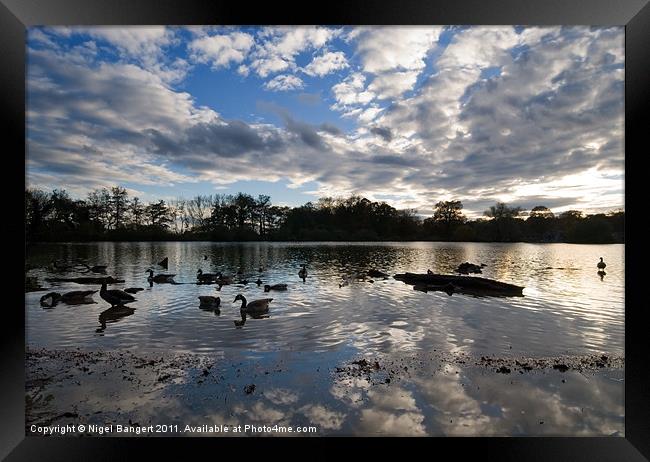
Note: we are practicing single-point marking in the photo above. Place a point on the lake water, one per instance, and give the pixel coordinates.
(567, 309)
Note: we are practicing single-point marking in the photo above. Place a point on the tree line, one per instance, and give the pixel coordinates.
(110, 214)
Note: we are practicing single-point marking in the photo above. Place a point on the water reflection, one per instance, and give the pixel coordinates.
(113, 314)
(564, 307)
(432, 398)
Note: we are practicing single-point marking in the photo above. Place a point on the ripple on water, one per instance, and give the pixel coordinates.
(566, 306)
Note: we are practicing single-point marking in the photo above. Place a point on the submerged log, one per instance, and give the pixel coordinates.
(462, 284)
(87, 280)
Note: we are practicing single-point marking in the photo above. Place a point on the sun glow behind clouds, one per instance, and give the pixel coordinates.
(530, 116)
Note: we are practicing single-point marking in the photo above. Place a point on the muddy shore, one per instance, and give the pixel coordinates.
(112, 387)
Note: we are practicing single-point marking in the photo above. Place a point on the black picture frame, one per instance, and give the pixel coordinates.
(16, 15)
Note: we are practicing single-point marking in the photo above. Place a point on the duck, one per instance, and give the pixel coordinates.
(160, 278)
(133, 290)
(303, 272)
(601, 264)
(207, 277)
(209, 302)
(78, 297)
(268, 288)
(254, 307)
(51, 299)
(115, 297)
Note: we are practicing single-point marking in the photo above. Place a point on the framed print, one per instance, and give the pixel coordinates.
(398, 221)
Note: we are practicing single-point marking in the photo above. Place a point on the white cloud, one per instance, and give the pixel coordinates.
(140, 41)
(395, 48)
(352, 91)
(552, 118)
(479, 47)
(326, 63)
(221, 50)
(284, 83)
(394, 84)
(279, 46)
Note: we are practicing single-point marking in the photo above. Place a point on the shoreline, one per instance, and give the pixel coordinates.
(67, 386)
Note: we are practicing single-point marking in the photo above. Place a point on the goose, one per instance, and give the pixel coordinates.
(268, 288)
(224, 280)
(160, 278)
(429, 272)
(254, 307)
(601, 264)
(51, 299)
(133, 290)
(207, 277)
(115, 297)
(78, 297)
(209, 302)
(303, 272)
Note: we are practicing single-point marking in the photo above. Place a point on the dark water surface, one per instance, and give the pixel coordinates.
(567, 309)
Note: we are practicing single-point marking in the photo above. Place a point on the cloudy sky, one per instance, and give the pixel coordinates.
(409, 115)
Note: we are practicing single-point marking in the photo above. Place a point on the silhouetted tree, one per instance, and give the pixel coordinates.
(108, 214)
(447, 214)
(503, 220)
(119, 204)
(157, 215)
(137, 212)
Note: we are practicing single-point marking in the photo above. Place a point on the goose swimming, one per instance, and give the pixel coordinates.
(209, 302)
(160, 278)
(133, 290)
(268, 288)
(115, 297)
(50, 300)
(254, 307)
(78, 297)
(207, 277)
(303, 272)
(601, 264)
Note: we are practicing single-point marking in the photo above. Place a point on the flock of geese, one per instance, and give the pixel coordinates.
(118, 299)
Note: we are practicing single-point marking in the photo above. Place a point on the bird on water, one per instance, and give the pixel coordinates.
(115, 297)
(601, 264)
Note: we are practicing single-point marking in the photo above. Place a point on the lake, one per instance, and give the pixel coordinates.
(317, 325)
